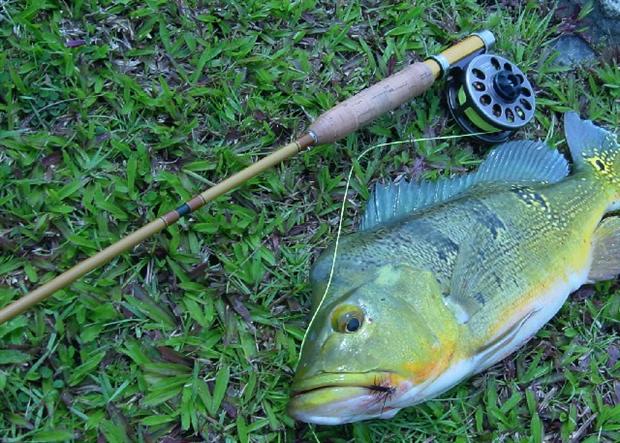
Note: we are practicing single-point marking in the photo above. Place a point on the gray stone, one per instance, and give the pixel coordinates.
(611, 8)
(602, 23)
(573, 51)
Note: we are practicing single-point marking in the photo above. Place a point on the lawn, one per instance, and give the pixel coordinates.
(114, 112)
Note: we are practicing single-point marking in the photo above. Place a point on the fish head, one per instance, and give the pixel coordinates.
(371, 349)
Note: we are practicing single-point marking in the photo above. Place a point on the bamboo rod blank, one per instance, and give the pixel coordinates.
(104, 256)
(66, 278)
(330, 126)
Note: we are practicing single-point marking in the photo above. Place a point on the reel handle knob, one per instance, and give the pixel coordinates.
(507, 85)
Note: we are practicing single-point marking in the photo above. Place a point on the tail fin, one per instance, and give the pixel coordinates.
(593, 148)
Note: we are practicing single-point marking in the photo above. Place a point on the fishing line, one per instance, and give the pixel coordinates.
(343, 207)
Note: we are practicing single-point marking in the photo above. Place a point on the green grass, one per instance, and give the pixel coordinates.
(111, 113)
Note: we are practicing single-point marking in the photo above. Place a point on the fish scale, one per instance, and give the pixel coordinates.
(446, 278)
(524, 241)
(542, 248)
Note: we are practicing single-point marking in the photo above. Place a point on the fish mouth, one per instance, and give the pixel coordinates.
(336, 398)
(374, 380)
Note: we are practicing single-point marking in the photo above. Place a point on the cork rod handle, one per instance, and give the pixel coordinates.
(391, 92)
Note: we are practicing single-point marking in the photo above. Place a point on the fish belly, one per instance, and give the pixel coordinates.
(521, 326)
(530, 318)
(518, 278)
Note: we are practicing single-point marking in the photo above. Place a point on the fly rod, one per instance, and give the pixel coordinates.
(338, 122)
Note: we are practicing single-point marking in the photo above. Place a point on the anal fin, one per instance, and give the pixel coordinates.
(606, 250)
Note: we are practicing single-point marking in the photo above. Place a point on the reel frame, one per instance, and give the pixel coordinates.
(487, 93)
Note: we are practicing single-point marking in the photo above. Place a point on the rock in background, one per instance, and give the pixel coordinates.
(601, 30)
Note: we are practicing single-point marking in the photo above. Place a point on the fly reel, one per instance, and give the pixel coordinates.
(490, 95)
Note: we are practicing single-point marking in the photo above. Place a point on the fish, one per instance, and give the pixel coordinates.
(444, 279)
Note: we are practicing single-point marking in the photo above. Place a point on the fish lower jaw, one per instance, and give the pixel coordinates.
(334, 405)
(321, 418)
(332, 399)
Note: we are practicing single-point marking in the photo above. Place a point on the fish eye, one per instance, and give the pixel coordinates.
(347, 319)
(353, 324)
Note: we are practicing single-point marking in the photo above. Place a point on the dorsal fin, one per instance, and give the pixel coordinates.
(516, 161)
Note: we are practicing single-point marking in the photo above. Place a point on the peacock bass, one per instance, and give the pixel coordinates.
(446, 278)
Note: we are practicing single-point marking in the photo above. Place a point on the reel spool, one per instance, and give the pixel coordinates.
(491, 95)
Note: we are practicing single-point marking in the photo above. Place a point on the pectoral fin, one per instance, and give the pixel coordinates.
(606, 250)
(503, 345)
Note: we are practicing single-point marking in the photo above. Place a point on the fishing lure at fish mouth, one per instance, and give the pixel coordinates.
(445, 279)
